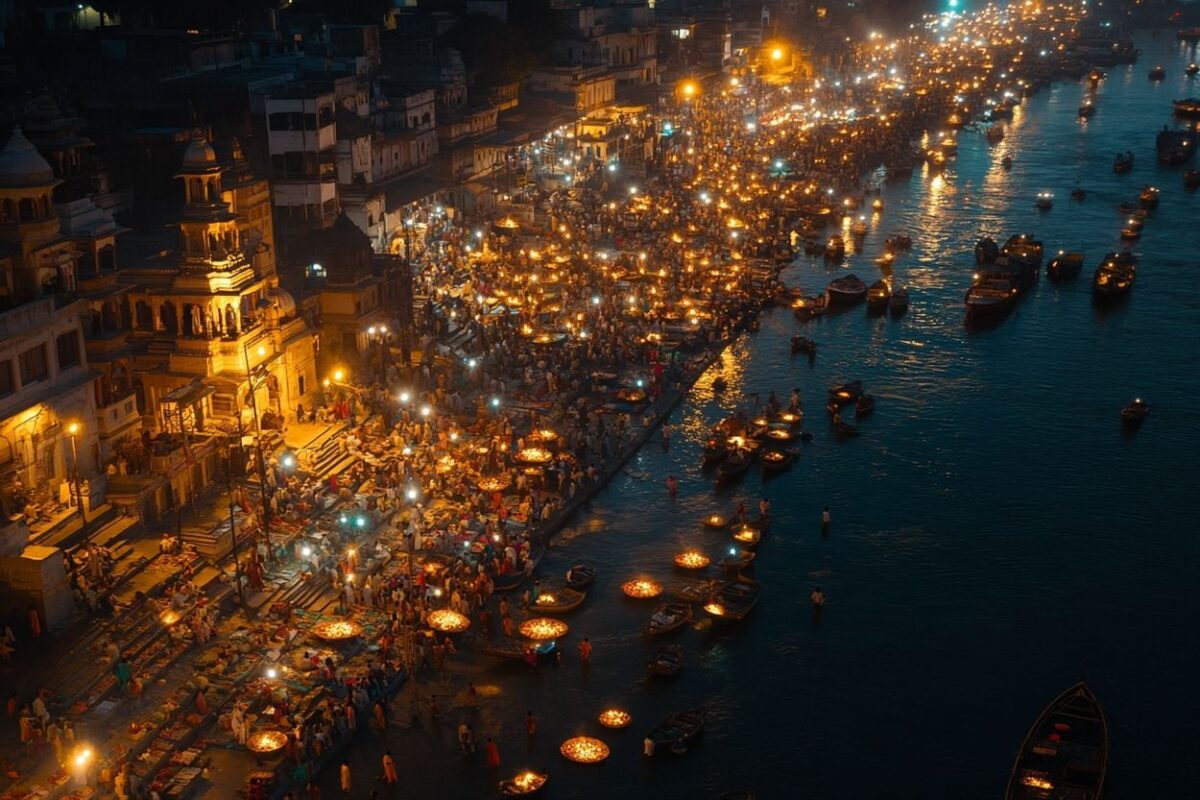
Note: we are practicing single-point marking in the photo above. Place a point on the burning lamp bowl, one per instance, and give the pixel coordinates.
(543, 435)
(642, 588)
(747, 534)
(337, 630)
(267, 741)
(525, 783)
(715, 608)
(715, 521)
(691, 559)
(494, 484)
(542, 629)
(614, 718)
(779, 434)
(448, 620)
(584, 750)
(535, 455)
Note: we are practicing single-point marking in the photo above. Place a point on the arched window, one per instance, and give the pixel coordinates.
(9, 211)
(27, 210)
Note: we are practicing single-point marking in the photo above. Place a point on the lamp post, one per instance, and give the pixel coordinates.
(73, 431)
(262, 464)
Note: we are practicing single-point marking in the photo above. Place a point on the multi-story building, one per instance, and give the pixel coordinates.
(302, 142)
(218, 345)
(48, 433)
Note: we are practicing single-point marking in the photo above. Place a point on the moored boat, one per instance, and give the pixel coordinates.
(1189, 107)
(993, 293)
(1157, 73)
(835, 248)
(776, 460)
(1191, 178)
(1115, 276)
(669, 617)
(1175, 147)
(995, 134)
(676, 731)
(845, 291)
(1025, 252)
(580, 576)
(1123, 163)
(1135, 412)
(734, 601)
(1148, 197)
(1065, 754)
(864, 405)
(1044, 201)
(845, 394)
(1192, 70)
(734, 466)
(898, 303)
(802, 344)
(736, 559)
(878, 296)
(699, 591)
(1064, 266)
(667, 661)
(558, 600)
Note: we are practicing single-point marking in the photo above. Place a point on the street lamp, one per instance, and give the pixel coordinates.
(73, 432)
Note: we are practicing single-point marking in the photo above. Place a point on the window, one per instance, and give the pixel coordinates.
(33, 365)
(300, 384)
(6, 378)
(68, 349)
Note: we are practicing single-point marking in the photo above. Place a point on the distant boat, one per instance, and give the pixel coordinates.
(1114, 277)
(676, 731)
(1188, 34)
(847, 393)
(1191, 178)
(1086, 109)
(1025, 251)
(1135, 412)
(1064, 266)
(1123, 163)
(993, 293)
(995, 134)
(1044, 201)
(1096, 75)
(668, 661)
(1065, 754)
(986, 250)
(1158, 73)
(835, 248)
(1175, 147)
(846, 291)
(1149, 198)
(878, 296)
(898, 304)
(1192, 70)
(1188, 107)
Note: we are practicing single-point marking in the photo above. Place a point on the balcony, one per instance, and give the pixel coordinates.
(118, 415)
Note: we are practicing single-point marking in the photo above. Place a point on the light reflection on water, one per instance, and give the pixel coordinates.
(995, 533)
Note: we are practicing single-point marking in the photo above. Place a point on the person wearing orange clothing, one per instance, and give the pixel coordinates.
(585, 651)
(390, 776)
(491, 753)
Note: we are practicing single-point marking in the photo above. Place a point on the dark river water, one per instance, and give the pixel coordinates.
(996, 535)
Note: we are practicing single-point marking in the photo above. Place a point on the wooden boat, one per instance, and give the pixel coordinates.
(1175, 147)
(513, 650)
(1157, 74)
(1192, 70)
(1044, 201)
(580, 576)
(747, 534)
(699, 591)
(1065, 754)
(1114, 277)
(1123, 163)
(1135, 412)
(845, 291)
(843, 428)
(677, 730)
(1148, 198)
(669, 617)
(526, 784)
(734, 601)
(562, 600)
(1096, 75)
(898, 302)
(864, 405)
(734, 466)
(835, 248)
(1188, 107)
(897, 242)
(1064, 266)
(715, 450)
(776, 460)
(668, 661)
(802, 344)
(995, 134)
(1191, 178)
(878, 296)
(993, 293)
(737, 559)
(1086, 109)
(845, 394)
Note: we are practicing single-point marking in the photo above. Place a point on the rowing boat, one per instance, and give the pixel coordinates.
(669, 617)
(1065, 754)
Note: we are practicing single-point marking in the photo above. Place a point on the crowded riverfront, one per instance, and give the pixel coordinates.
(424, 594)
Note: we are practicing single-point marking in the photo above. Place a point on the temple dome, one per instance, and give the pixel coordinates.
(21, 164)
(199, 154)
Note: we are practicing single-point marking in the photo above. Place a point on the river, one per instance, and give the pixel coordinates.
(996, 534)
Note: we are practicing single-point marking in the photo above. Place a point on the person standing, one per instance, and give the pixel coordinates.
(825, 518)
(344, 779)
(491, 753)
(585, 651)
(390, 776)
